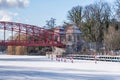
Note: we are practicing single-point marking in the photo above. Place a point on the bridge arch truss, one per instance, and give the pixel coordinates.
(33, 35)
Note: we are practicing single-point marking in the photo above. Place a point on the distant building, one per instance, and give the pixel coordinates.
(70, 35)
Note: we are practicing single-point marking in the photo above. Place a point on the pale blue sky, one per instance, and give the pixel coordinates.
(38, 11)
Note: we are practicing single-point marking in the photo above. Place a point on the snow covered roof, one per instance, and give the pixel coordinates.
(62, 32)
(61, 28)
(76, 30)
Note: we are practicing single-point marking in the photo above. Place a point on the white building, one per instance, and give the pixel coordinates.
(71, 37)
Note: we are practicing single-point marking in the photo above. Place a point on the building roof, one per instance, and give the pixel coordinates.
(76, 30)
(74, 27)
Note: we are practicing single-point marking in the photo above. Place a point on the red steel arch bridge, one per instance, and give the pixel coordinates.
(33, 35)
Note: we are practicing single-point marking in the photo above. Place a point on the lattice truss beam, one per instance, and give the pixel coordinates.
(28, 35)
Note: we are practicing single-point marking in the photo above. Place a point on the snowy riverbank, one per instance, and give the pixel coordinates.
(42, 68)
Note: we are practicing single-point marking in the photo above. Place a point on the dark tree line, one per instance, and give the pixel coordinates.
(94, 21)
(118, 8)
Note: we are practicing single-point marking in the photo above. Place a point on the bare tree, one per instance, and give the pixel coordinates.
(75, 15)
(51, 23)
(118, 8)
(112, 38)
(96, 20)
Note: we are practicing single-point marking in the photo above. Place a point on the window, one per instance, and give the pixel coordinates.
(69, 38)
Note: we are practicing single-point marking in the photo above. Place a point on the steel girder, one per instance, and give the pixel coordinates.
(33, 35)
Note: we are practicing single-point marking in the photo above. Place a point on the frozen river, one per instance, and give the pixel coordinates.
(42, 68)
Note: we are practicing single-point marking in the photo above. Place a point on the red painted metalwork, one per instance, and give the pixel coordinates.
(34, 35)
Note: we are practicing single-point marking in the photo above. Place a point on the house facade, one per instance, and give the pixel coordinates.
(70, 35)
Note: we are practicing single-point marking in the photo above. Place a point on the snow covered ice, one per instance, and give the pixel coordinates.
(42, 68)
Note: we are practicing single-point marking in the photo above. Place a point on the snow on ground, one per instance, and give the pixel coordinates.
(42, 68)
